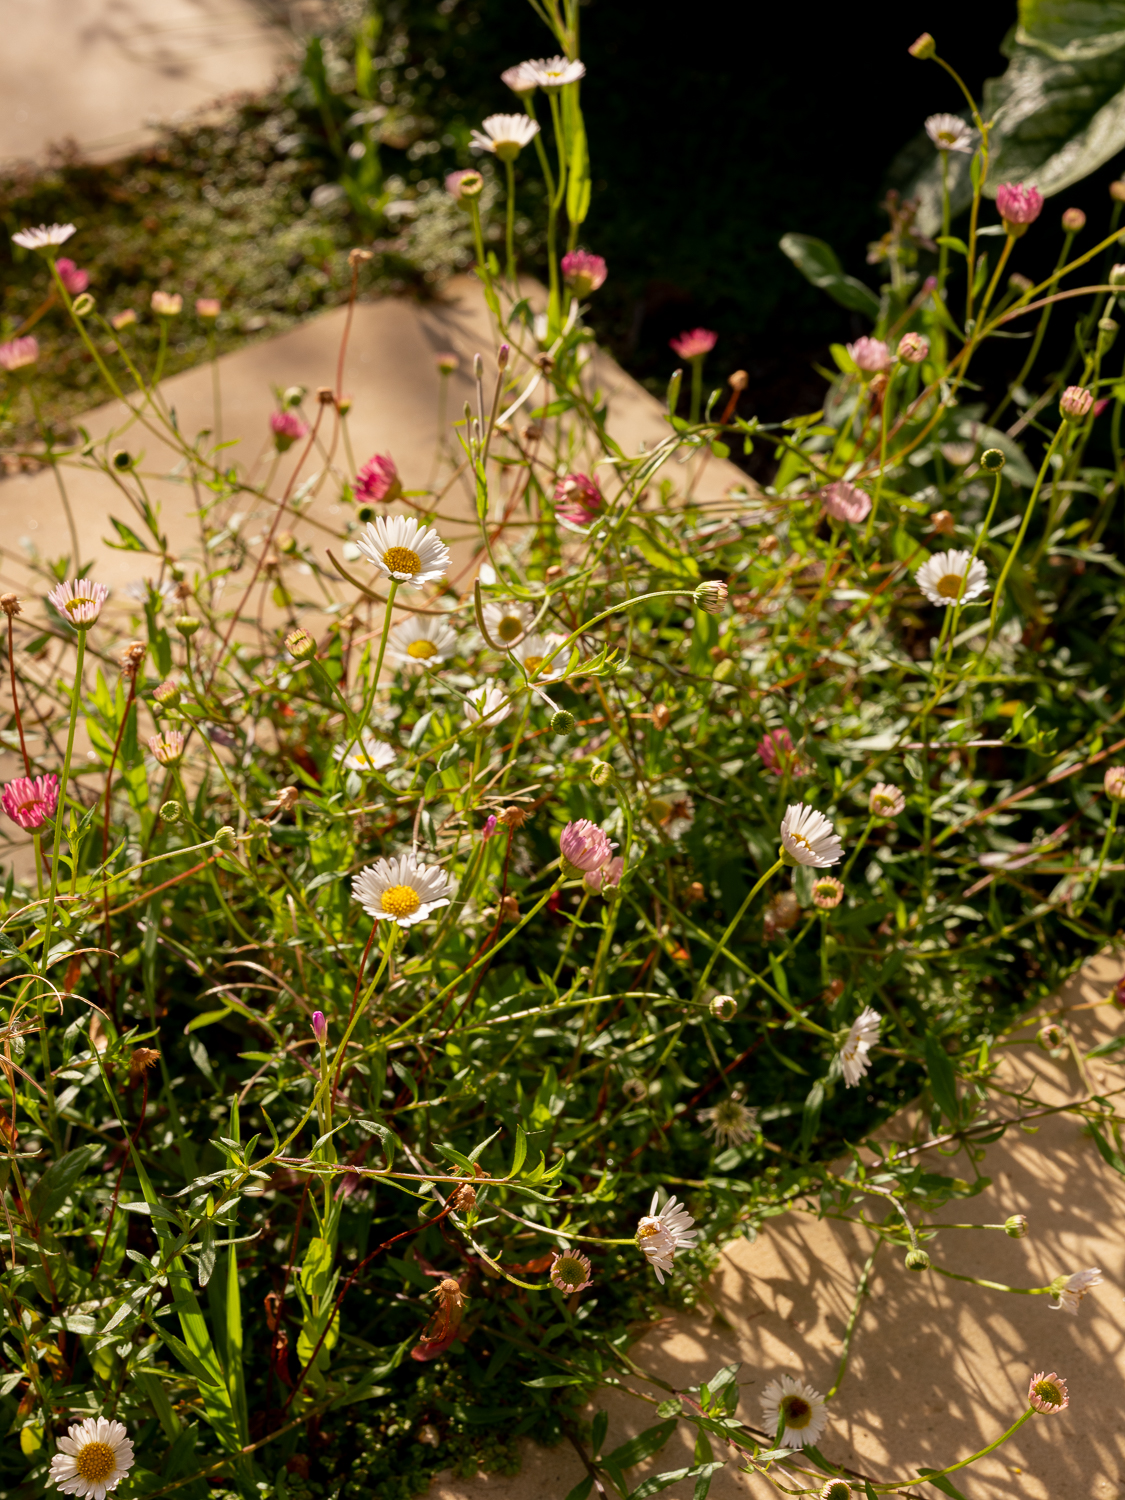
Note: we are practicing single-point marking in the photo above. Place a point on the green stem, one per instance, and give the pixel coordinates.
(510, 231)
(733, 925)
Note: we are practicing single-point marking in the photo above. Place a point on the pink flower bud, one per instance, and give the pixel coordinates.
(1019, 206)
(1073, 220)
(72, 277)
(17, 353)
(464, 185)
(447, 363)
(287, 429)
(583, 273)
(913, 348)
(870, 355)
(1100, 405)
(320, 1027)
(775, 751)
(31, 801)
(489, 827)
(584, 847)
(578, 499)
(378, 480)
(1075, 403)
(846, 503)
(924, 47)
(208, 307)
(695, 343)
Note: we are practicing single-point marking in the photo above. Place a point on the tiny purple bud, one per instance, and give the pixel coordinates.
(489, 827)
(320, 1027)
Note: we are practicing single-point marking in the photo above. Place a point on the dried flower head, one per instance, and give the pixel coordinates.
(942, 523)
(570, 1272)
(10, 604)
(731, 1122)
(794, 1412)
(782, 914)
(285, 799)
(1047, 1393)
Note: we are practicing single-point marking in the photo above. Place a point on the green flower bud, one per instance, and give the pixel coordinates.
(122, 460)
(187, 625)
(993, 460)
(226, 838)
(562, 721)
(1015, 1226)
(171, 812)
(82, 306)
(723, 1007)
(300, 645)
(711, 595)
(601, 773)
(917, 1260)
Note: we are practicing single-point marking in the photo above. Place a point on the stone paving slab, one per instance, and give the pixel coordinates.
(100, 71)
(938, 1369)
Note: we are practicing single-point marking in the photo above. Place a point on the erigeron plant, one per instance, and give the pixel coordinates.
(465, 909)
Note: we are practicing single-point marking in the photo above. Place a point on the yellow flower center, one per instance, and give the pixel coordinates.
(1049, 1391)
(647, 1228)
(72, 606)
(796, 1411)
(509, 628)
(401, 901)
(401, 560)
(881, 803)
(533, 663)
(947, 135)
(96, 1462)
(421, 650)
(949, 587)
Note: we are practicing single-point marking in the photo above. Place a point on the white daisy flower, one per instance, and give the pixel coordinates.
(403, 550)
(504, 135)
(952, 578)
(809, 838)
(40, 239)
(885, 800)
(796, 1409)
(94, 1458)
(533, 651)
(507, 622)
(731, 1122)
(553, 72)
(950, 133)
(660, 1235)
(401, 890)
(422, 640)
(861, 1037)
(521, 78)
(485, 707)
(369, 755)
(1071, 1289)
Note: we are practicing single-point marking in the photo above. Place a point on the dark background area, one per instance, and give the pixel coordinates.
(713, 132)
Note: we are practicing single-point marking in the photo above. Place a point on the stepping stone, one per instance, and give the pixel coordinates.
(99, 72)
(938, 1368)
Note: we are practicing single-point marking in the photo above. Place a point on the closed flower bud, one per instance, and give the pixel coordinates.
(300, 644)
(723, 1007)
(711, 596)
(1117, 191)
(171, 812)
(1050, 1036)
(1117, 275)
(913, 348)
(924, 47)
(993, 460)
(286, 543)
(1019, 282)
(293, 395)
(562, 721)
(917, 1260)
(1114, 783)
(167, 694)
(226, 838)
(1107, 332)
(1075, 403)
(320, 1027)
(1015, 1226)
(122, 460)
(1073, 220)
(83, 306)
(187, 625)
(601, 773)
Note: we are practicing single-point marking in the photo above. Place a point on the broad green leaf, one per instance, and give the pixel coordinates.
(818, 263)
(643, 1446)
(316, 1268)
